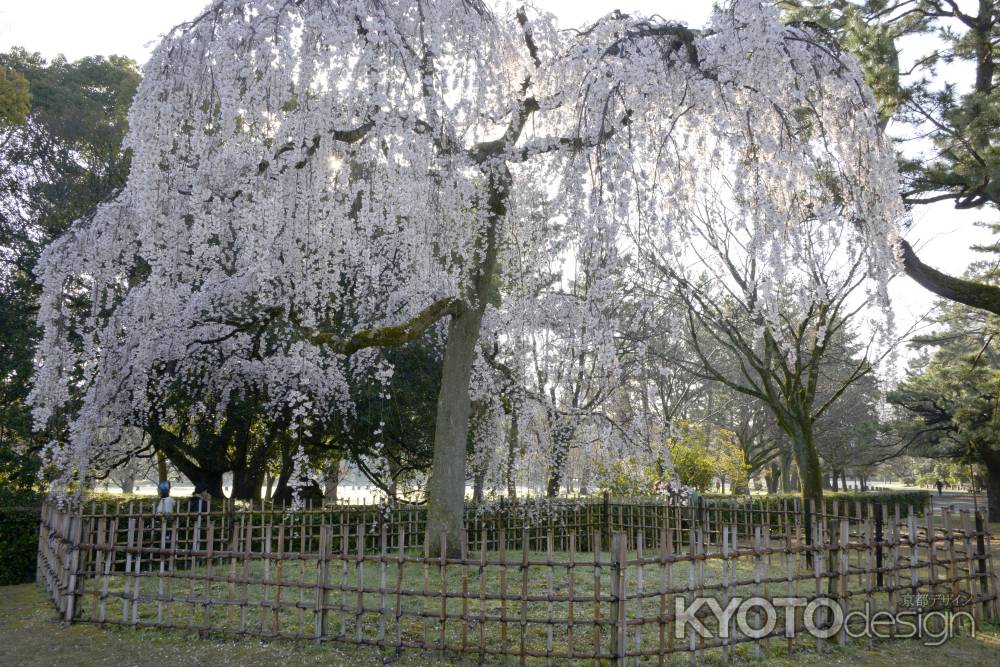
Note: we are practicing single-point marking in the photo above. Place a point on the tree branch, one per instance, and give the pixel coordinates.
(396, 334)
(977, 295)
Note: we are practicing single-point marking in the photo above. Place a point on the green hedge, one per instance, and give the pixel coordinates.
(919, 500)
(19, 511)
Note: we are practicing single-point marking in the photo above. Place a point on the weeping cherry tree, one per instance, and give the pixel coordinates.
(296, 160)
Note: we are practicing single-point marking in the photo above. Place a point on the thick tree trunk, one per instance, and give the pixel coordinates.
(786, 471)
(810, 472)
(446, 486)
(161, 467)
(247, 484)
(211, 480)
(810, 475)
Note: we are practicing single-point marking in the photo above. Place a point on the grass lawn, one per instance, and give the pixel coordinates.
(31, 635)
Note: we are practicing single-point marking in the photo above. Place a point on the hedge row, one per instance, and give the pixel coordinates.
(19, 512)
(919, 500)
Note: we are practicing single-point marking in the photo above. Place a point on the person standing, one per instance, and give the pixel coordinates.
(940, 485)
(166, 504)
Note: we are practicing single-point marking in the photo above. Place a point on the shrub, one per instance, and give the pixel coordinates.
(19, 512)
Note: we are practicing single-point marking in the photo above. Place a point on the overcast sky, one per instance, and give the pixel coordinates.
(77, 28)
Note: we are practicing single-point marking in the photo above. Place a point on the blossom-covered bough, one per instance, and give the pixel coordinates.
(314, 180)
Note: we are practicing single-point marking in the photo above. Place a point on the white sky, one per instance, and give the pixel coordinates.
(77, 28)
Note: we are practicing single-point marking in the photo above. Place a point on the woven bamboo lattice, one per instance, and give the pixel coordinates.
(570, 580)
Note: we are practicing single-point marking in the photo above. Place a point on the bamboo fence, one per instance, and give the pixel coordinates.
(564, 581)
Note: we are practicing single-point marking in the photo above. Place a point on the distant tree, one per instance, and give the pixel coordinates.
(949, 403)
(15, 100)
(61, 130)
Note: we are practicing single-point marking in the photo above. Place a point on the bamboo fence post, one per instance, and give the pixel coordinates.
(570, 578)
(932, 567)
(209, 570)
(483, 547)
(109, 560)
(400, 565)
(523, 623)
(322, 576)
(952, 563)
(982, 546)
(597, 592)
(359, 572)
(73, 563)
(618, 633)
(766, 564)
(550, 581)
(689, 589)
(383, 565)
(464, 556)
(344, 556)
(137, 568)
(279, 571)
(305, 535)
(757, 566)
(503, 587)
(246, 526)
(639, 544)
(159, 588)
(914, 555)
(129, 554)
(844, 557)
(791, 583)
(725, 591)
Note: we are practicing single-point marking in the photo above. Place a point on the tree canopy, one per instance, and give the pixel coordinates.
(292, 161)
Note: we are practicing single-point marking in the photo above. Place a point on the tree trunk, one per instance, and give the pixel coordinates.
(810, 472)
(993, 490)
(773, 479)
(392, 487)
(211, 480)
(585, 478)
(834, 479)
(512, 446)
(331, 480)
(478, 486)
(561, 437)
(161, 466)
(127, 484)
(446, 486)
(787, 484)
(247, 483)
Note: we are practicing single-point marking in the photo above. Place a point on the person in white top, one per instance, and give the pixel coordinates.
(166, 504)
